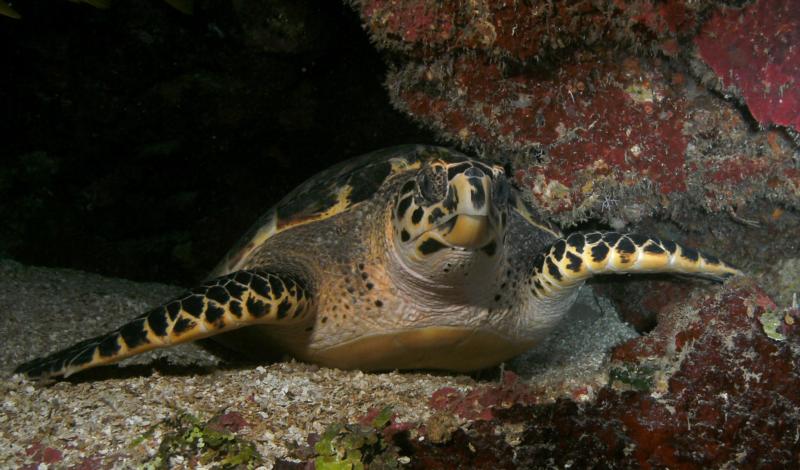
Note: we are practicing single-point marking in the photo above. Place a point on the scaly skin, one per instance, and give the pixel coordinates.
(571, 261)
(223, 304)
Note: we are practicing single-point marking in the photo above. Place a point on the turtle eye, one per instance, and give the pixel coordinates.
(432, 183)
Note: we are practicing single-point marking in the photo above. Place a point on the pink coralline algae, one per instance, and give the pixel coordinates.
(723, 391)
(40, 454)
(230, 422)
(595, 101)
(756, 49)
(479, 403)
(526, 30)
(595, 116)
(706, 389)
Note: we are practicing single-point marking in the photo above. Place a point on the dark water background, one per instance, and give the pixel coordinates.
(140, 142)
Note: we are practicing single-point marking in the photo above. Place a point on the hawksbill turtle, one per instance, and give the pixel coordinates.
(414, 257)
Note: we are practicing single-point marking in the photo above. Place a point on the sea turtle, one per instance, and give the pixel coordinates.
(414, 257)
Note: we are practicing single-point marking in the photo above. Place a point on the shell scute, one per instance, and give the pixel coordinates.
(328, 193)
(343, 186)
(334, 190)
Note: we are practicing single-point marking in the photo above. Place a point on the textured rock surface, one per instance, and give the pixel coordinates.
(571, 93)
(706, 389)
(755, 53)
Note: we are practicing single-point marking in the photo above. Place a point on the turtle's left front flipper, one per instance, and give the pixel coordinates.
(569, 262)
(229, 302)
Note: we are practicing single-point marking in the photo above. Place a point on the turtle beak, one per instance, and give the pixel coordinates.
(475, 222)
(467, 231)
(465, 211)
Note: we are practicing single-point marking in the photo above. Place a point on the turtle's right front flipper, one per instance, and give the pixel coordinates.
(229, 302)
(563, 267)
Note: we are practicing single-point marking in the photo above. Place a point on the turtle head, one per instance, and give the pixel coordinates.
(452, 206)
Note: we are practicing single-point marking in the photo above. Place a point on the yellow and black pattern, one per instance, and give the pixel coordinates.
(452, 204)
(568, 262)
(229, 302)
(334, 191)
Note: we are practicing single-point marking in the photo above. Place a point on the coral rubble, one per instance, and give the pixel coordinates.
(721, 393)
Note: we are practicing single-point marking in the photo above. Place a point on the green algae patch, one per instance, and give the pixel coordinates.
(194, 442)
(772, 322)
(639, 378)
(354, 446)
